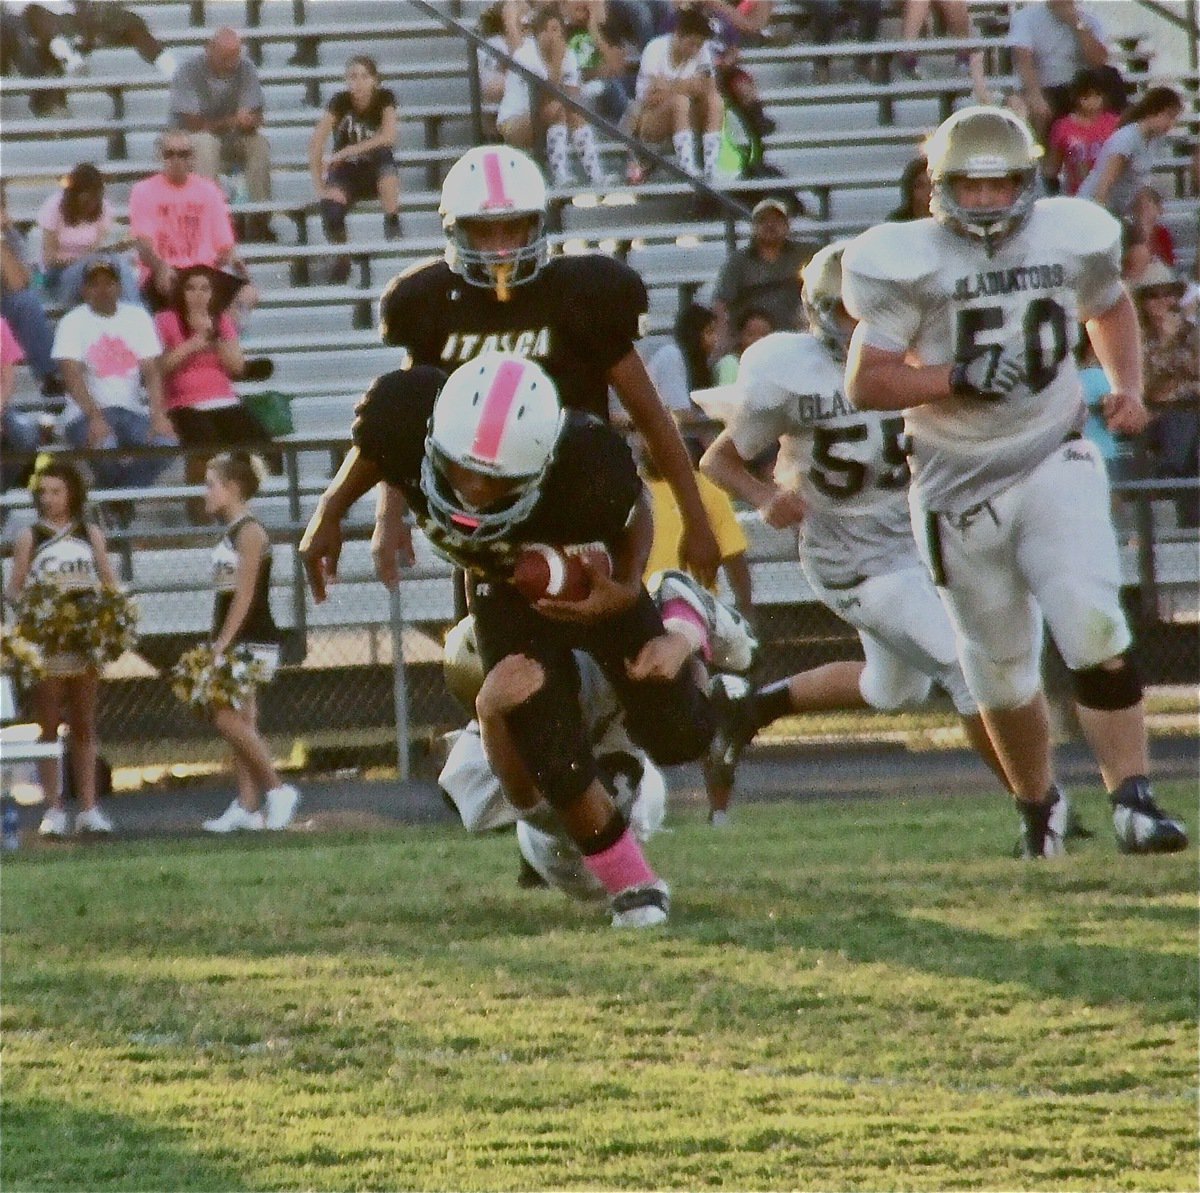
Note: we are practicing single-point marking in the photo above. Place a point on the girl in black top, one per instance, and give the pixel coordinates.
(70, 552)
(241, 564)
(363, 123)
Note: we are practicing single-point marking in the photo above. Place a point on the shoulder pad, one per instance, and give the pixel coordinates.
(409, 287)
(898, 252)
(1090, 229)
(595, 269)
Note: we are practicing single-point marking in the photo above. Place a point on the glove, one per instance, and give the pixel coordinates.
(992, 372)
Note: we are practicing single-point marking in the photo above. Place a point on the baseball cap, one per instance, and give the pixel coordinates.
(770, 204)
(100, 264)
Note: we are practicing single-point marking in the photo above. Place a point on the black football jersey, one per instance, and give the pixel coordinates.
(587, 494)
(577, 318)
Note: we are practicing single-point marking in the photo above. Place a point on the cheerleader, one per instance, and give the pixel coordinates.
(241, 565)
(68, 551)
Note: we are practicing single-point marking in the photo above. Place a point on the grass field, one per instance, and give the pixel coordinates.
(850, 995)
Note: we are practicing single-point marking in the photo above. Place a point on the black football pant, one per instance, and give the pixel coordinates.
(672, 721)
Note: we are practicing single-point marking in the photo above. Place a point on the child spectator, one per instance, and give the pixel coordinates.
(21, 306)
(241, 565)
(76, 222)
(201, 356)
(915, 192)
(677, 97)
(108, 350)
(69, 551)
(1076, 138)
(683, 363)
(750, 327)
(1146, 213)
(363, 123)
(548, 56)
(1127, 157)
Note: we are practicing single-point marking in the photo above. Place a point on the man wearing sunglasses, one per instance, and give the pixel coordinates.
(178, 219)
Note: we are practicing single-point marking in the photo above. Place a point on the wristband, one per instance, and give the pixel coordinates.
(960, 387)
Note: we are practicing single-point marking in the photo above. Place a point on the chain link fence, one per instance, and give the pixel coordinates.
(340, 700)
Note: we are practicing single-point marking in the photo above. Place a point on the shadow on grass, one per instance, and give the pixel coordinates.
(50, 1145)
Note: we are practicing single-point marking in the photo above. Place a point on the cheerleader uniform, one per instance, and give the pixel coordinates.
(258, 632)
(65, 558)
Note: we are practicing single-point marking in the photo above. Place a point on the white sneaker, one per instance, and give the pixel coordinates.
(719, 818)
(54, 823)
(92, 820)
(731, 642)
(235, 819)
(281, 806)
(642, 906)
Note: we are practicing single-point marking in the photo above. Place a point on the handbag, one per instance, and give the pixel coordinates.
(273, 409)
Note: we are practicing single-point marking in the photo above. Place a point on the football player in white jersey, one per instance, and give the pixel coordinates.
(843, 477)
(967, 323)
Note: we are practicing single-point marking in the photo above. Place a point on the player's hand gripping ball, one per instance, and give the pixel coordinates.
(542, 570)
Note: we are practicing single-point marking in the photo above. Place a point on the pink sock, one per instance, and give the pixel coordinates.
(621, 866)
(687, 622)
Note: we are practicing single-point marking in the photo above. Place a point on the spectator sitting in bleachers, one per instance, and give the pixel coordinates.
(108, 351)
(56, 37)
(732, 25)
(503, 24)
(20, 434)
(677, 97)
(178, 218)
(21, 305)
(201, 358)
(750, 327)
(363, 123)
(1172, 365)
(683, 363)
(216, 95)
(77, 221)
(1076, 138)
(764, 274)
(607, 82)
(548, 56)
(1146, 212)
(915, 192)
(957, 22)
(1051, 42)
(1126, 159)
(824, 16)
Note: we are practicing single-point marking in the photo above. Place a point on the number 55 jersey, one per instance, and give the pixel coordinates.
(848, 465)
(923, 289)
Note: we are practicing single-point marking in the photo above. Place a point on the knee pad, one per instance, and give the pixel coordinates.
(1001, 683)
(1108, 690)
(333, 220)
(887, 694)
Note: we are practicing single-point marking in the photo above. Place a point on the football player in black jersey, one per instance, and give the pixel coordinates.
(497, 290)
(488, 460)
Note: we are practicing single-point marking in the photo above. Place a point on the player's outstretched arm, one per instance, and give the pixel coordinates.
(1117, 338)
(698, 549)
(321, 546)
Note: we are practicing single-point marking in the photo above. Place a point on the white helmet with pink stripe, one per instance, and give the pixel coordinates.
(492, 183)
(498, 415)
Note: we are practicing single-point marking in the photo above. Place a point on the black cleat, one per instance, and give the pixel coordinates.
(732, 705)
(1140, 824)
(1043, 826)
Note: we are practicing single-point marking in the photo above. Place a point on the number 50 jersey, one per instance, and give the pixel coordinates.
(922, 288)
(848, 465)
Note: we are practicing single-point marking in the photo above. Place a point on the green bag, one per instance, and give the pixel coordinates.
(273, 409)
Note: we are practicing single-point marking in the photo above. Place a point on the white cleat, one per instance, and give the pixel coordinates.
(235, 819)
(642, 906)
(731, 642)
(281, 803)
(92, 820)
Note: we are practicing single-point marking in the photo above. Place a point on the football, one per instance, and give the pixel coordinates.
(542, 570)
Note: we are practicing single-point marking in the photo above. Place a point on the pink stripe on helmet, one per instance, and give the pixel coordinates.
(493, 178)
(496, 408)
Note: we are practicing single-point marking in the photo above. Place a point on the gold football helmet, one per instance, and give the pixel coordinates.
(821, 295)
(982, 142)
(462, 666)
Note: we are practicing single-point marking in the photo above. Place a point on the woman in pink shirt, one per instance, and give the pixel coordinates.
(76, 221)
(201, 356)
(1076, 138)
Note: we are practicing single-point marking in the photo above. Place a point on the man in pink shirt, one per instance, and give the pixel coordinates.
(179, 218)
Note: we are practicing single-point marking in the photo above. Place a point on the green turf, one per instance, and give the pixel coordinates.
(850, 995)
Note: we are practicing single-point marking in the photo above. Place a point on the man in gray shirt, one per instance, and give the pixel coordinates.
(1051, 40)
(764, 275)
(217, 97)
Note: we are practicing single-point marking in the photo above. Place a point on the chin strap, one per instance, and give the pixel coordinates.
(501, 274)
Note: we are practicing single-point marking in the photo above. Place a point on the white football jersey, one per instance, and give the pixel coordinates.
(848, 465)
(923, 289)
